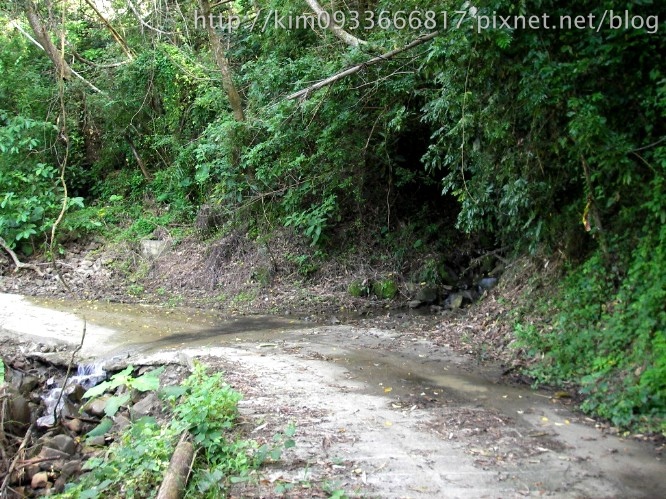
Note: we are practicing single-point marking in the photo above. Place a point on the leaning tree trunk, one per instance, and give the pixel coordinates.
(43, 37)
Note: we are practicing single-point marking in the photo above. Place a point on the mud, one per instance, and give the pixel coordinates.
(379, 412)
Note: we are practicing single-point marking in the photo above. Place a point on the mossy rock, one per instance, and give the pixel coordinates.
(358, 289)
(385, 289)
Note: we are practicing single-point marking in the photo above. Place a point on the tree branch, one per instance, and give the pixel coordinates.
(17, 262)
(348, 38)
(16, 25)
(304, 93)
(116, 36)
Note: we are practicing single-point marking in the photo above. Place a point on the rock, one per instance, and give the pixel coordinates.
(58, 359)
(454, 300)
(120, 422)
(96, 406)
(40, 480)
(427, 294)
(68, 471)
(147, 405)
(153, 249)
(75, 425)
(52, 458)
(19, 412)
(30, 471)
(24, 383)
(69, 410)
(62, 443)
(469, 295)
(98, 441)
(487, 283)
(75, 393)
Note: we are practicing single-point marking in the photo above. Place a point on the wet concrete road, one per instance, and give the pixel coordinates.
(404, 417)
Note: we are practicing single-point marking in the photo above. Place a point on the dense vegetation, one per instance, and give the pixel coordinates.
(540, 140)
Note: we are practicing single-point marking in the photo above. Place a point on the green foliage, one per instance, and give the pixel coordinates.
(132, 467)
(610, 335)
(29, 195)
(146, 382)
(209, 409)
(205, 406)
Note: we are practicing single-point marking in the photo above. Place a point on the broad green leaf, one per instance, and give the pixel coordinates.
(114, 403)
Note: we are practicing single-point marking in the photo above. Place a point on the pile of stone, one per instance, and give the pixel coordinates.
(42, 453)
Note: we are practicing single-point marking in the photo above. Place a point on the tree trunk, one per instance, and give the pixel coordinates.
(137, 157)
(42, 36)
(222, 63)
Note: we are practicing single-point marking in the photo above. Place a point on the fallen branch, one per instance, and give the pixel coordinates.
(69, 371)
(17, 262)
(10, 470)
(175, 478)
(348, 38)
(304, 93)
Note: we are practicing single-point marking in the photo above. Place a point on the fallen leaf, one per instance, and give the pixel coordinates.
(388, 389)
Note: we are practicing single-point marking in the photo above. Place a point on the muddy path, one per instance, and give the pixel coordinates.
(379, 412)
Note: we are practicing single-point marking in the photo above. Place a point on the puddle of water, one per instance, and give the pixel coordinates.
(150, 329)
(147, 327)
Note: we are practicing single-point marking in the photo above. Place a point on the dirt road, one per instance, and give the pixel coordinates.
(379, 413)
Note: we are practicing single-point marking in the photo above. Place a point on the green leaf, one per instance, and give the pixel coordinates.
(148, 381)
(119, 379)
(114, 403)
(173, 391)
(101, 429)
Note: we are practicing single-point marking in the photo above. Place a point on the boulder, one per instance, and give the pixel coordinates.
(62, 443)
(68, 471)
(153, 249)
(96, 406)
(24, 383)
(75, 392)
(487, 283)
(120, 422)
(74, 425)
(454, 301)
(427, 294)
(52, 459)
(19, 412)
(147, 405)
